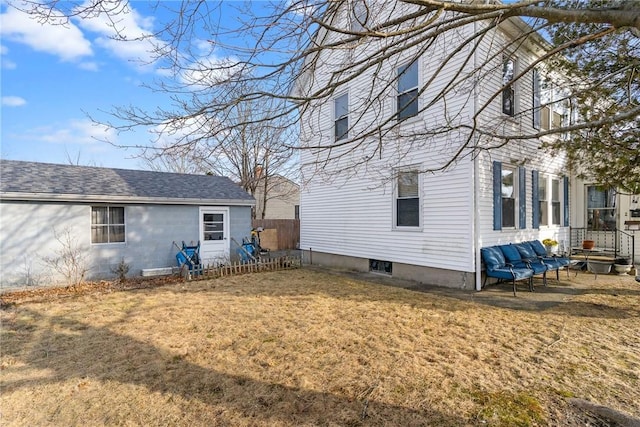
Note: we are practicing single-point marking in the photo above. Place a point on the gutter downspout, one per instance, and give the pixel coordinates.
(477, 241)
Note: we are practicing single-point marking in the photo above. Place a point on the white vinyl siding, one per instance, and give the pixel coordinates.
(350, 210)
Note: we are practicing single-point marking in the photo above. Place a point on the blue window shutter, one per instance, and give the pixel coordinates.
(522, 198)
(535, 199)
(565, 194)
(497, 196)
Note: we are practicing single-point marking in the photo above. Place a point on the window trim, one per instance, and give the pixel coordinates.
(108, 224)
(416, 88)
(410, 169)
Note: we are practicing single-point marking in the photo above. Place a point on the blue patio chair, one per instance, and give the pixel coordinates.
(496, 266)
(513, 256)
(529, 255)
(541, 251)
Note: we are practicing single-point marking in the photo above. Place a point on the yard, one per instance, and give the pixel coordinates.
(310, 347)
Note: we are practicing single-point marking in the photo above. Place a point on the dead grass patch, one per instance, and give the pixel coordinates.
(309, 348)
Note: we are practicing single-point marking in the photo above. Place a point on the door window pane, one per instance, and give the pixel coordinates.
(213, 225)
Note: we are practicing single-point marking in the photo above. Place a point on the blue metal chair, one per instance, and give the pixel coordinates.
(513, 256)
(496, 266)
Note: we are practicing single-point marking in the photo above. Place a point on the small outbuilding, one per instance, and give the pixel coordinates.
(107, 217)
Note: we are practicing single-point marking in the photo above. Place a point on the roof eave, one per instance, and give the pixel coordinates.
(81, 198)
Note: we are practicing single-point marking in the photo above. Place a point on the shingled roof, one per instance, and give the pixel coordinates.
(45, 182)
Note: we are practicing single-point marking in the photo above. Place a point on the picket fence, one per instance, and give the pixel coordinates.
(238, 268)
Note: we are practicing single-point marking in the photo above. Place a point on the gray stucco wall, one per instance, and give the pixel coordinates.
(28, 234)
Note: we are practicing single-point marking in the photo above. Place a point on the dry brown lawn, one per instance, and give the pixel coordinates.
(309, 347)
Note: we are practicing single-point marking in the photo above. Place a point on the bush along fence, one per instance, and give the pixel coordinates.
(202, 272)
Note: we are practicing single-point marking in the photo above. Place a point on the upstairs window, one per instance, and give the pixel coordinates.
(555, 110)
(508, 93)
(537, 97)
(359, 15)
(408, 199)
(341, 116)
(407, 91)
(107, 224)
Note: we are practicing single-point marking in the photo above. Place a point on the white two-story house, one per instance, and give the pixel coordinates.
(420, 146)
(406, 168)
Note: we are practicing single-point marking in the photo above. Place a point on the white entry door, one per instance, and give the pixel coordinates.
(214, 235)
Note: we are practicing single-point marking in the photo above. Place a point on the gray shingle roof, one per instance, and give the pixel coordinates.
(52, 181)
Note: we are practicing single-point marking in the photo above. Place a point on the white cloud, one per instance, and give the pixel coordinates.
(89, 66)
(65, 41)
(209, 71)
(13, 101)
(79, 132)
(125, 34)
(7, 64)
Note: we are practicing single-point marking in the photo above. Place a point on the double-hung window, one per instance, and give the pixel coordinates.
(543, 201)
(408, 199)
(508, 91)
(107, 224)
(556, 212)
(508, 197)
(341, 116)
(407, 102)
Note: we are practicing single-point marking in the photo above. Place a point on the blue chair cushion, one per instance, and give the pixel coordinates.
(511, 254)
(526, 251)
(538, 248)
(563, 261)
(492, 257)
(538, 267)
(553, 263)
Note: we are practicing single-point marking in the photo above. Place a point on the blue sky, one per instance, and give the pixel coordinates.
(53, 77)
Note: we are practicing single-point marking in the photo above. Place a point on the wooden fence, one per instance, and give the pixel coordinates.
(279, 234)
(237, 268)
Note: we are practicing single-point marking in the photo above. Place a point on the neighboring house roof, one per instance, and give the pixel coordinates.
(49, 182)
